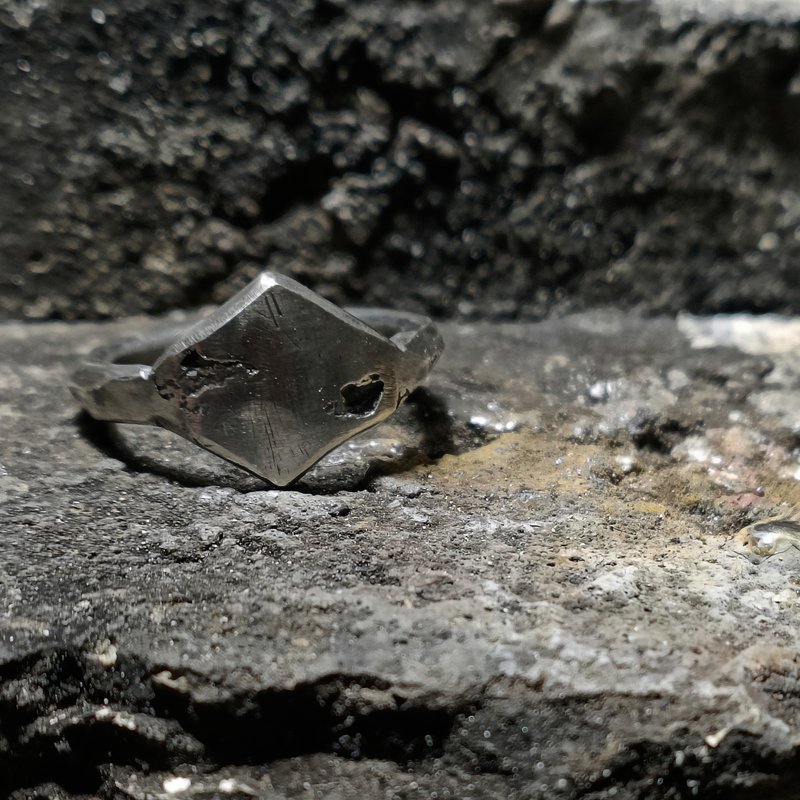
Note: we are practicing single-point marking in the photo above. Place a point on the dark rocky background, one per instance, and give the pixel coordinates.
(471, 158)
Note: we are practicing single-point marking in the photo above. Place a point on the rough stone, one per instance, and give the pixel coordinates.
(464, 157)
(525, 586)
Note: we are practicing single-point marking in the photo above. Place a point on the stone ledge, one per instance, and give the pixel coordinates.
(528, 585)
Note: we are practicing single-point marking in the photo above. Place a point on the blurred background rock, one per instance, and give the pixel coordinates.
(462, 157)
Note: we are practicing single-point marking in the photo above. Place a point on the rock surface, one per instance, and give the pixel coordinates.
(466, 158)
(529, 585)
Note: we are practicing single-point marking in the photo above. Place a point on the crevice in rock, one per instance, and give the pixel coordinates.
(79, 716)
(660, 435)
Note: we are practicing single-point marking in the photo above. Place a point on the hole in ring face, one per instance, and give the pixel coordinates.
(362, 397)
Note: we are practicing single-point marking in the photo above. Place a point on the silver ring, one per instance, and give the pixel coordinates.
(272, 380)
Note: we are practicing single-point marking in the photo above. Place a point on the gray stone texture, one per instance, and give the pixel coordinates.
(529, 584)
(463, 157)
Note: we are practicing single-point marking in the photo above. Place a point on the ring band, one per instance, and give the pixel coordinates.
(272, 380)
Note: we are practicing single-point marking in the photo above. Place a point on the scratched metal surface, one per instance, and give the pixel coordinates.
(272, 380)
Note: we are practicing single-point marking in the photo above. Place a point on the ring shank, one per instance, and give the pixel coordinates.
(115, 382)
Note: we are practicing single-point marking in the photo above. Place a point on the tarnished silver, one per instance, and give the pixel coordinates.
(272, 380)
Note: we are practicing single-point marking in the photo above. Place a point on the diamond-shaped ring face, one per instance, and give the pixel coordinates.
(277, 377)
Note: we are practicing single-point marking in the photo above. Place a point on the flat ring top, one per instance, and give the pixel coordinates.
(272, 380)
